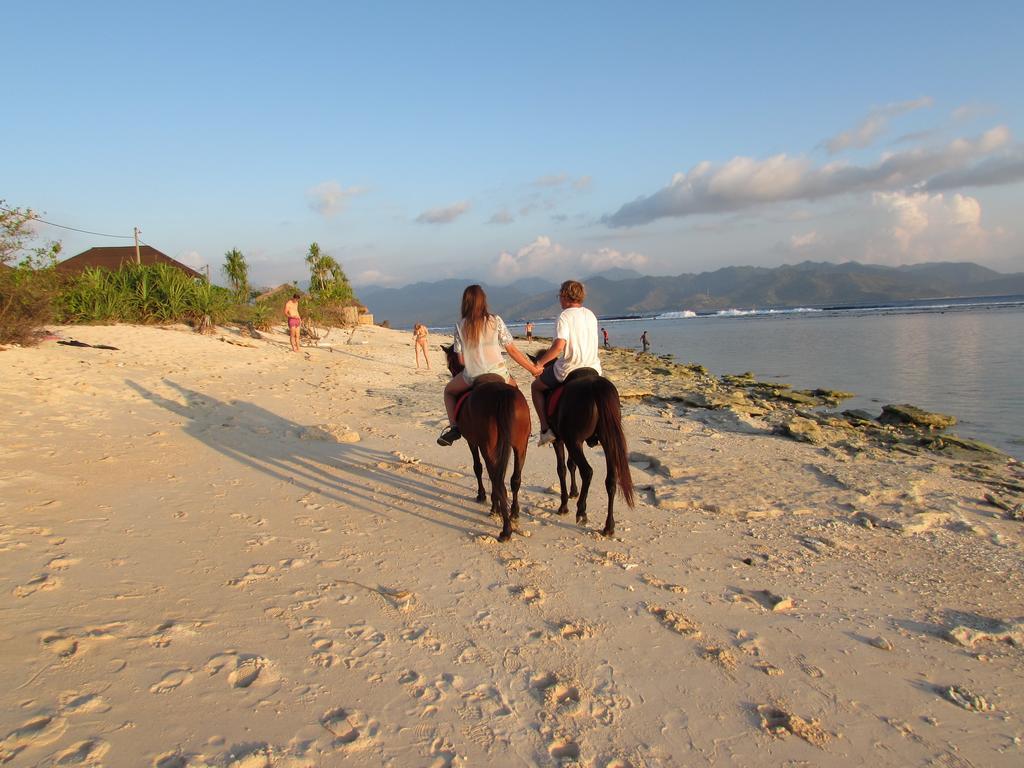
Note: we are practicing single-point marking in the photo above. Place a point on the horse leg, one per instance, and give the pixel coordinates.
(499, 498)
(586, 473)
(609, 486)
(573, 492)
(517, 478)
(478, 468)
(560, 464)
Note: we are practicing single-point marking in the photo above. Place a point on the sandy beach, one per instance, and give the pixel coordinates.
(219, 553)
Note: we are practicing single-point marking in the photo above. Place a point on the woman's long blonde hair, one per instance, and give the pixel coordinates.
(475, 313)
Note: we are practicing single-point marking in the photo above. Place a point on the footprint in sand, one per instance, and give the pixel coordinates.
(39, 731)
(64, 646)
(528, 594)
(350, 729)
(564, 749)
(87, 752)
(557, 693)
(76, 703)
(421, 636)
(44, 582)
(575, 629)
(674, 621)
(255, 573)
(323, 653)
(248, 671)
(443, 753)
(484, 702)
(654, 581)
(368, 642)
(171, 681)
(62, 562)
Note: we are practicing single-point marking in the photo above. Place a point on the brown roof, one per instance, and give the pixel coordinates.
(114, 256)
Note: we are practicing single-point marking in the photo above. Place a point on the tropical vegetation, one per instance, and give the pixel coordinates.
(33, 293)
(27, 277)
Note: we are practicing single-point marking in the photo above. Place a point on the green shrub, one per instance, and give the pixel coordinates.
(261, 316)
(207, 305)
(26, 303)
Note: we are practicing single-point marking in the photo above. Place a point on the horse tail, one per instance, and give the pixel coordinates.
(609, 431)
(504, 416)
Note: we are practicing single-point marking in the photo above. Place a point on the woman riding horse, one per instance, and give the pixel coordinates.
(494, 418)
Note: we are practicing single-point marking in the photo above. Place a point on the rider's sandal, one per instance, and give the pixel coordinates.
(449, 436)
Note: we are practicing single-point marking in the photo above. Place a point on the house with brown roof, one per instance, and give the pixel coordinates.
(114, 257)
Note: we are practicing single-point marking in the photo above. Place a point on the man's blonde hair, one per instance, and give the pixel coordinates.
(573, 291)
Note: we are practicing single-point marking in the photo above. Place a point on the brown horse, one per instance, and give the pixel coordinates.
(495, 420)
(588, 411)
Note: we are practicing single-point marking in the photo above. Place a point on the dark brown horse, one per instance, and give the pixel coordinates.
(588, 411)
(495, 420)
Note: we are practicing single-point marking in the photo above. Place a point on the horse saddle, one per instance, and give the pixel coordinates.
(487, 378)
(553, 396)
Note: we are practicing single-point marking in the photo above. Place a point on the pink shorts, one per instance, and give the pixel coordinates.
(294, 322)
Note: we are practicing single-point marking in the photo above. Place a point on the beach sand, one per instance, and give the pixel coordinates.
(225, 555)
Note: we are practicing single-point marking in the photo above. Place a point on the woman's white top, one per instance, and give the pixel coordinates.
(484, 356)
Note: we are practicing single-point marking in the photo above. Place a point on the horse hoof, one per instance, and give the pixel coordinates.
(573, 494)
(481, 499)
(581, 519)
(561, 511)
(608, 532)
(504, 536)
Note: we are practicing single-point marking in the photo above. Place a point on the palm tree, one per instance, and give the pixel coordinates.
(237, 272)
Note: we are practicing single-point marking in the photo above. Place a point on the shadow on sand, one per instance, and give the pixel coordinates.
(309, 459)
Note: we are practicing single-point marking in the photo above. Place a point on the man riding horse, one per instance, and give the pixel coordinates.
(574, 348)
(583, 407)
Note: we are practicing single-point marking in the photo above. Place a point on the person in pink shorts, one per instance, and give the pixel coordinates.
(291, 312)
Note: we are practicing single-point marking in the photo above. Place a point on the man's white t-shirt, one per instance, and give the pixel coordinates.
(577, 326)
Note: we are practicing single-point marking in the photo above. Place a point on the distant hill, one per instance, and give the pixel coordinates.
(613, 293)
(438, 303)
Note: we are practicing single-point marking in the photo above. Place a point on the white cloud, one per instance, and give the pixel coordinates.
(806, 240)
(532, 259)
(873, 125)
(744, 182)
(501, 217)
(444, 215)
(329, 198)
(921, 227)
(582, 183)
(551, 180)
(194, 260)
(375, 277)
(545, 258)
(606, 258)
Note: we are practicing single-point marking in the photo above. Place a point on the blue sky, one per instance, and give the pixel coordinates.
(420, 141)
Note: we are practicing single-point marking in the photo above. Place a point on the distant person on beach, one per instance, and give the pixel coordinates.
(419, 342)
(604, 332)
(291, 313)
(479, 339)
(574, 346)
(644, 341)
(529, 331)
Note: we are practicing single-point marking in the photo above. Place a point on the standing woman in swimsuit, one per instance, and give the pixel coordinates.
(419, 343)
(480, 338)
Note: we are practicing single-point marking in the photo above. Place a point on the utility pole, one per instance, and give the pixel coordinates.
(207, 273)
(138, 258)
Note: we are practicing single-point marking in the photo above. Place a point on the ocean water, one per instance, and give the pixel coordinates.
(963, 357)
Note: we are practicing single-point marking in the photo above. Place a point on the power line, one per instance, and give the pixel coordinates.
(62, 226)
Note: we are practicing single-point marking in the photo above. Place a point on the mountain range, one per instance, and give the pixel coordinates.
(623, 292)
